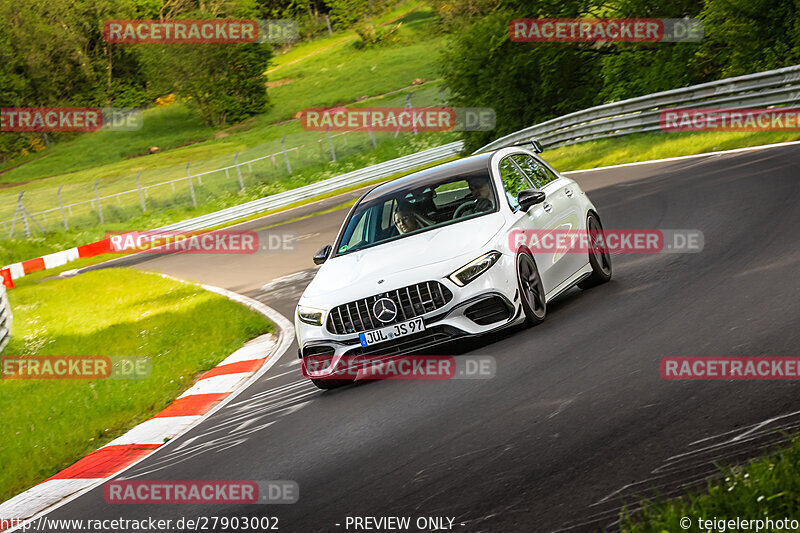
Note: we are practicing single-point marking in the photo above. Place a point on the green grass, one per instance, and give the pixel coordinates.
(49, 424)
(216, 193)
(767, 487)
(644, 147)
(167, 127)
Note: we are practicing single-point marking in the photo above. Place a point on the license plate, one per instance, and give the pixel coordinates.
(392, 332)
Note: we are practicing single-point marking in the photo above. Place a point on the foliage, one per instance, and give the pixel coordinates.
(767, 488)
(528, 83)
(371, 35)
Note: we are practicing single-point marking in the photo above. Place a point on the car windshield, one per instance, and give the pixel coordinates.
(421, 206)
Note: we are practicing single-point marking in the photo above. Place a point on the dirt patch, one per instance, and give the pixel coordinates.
(243, 126)
(158, 150)
(278, 83)
(191, 143)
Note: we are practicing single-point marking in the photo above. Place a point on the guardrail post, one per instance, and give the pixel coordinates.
(61, 206)
(330, 143)
(191, 185)
(238, 171)
(285, 155)
(141, 194)
(97, 197)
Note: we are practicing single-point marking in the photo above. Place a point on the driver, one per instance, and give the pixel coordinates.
(480, 189)
(405, 219)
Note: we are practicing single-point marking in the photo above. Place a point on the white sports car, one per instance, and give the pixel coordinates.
(427, 259)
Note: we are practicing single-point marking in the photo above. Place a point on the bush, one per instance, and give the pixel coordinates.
(371, 35)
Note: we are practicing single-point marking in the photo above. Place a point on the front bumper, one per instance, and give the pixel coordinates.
(489, 303)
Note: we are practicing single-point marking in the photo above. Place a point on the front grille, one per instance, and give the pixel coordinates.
(411, 302)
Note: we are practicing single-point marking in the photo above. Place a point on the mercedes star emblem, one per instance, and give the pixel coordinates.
(385, 310)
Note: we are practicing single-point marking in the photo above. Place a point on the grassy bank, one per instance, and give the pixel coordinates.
(210, 199)
(768, 487)
(49, 424)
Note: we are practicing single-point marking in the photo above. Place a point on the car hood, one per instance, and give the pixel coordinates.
(405, 261)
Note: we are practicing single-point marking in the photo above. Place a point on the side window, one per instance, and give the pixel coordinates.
(386, 218)
(536, 172)
(513, 181)
(355, 233)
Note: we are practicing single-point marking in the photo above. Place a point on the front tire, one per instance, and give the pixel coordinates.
(531, 290)
(599, 257)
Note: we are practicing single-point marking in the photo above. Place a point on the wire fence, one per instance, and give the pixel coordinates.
(194, 183)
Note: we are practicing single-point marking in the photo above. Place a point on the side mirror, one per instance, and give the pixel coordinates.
(529, 197)
(322, 255)
(537, 146)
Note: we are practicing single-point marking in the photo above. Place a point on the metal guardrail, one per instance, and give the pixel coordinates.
(5, 318)
(641, 114)
(275, 201)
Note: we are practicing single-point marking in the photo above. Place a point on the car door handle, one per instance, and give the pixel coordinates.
(568, 192)
(547, 207)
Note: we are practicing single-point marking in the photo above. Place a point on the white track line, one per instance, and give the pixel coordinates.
(682, 157)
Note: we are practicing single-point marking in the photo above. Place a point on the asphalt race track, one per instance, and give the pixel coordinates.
(577, 420)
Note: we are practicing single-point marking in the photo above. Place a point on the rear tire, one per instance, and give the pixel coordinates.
(531, 290)
(599, 258)
(328, 384)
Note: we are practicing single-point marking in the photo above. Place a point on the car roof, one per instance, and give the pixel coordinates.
(476, 164)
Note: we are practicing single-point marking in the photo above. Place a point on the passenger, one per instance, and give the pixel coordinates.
(406, 219)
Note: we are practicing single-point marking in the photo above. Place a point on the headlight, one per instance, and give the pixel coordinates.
(310, 315)
(472, 270)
